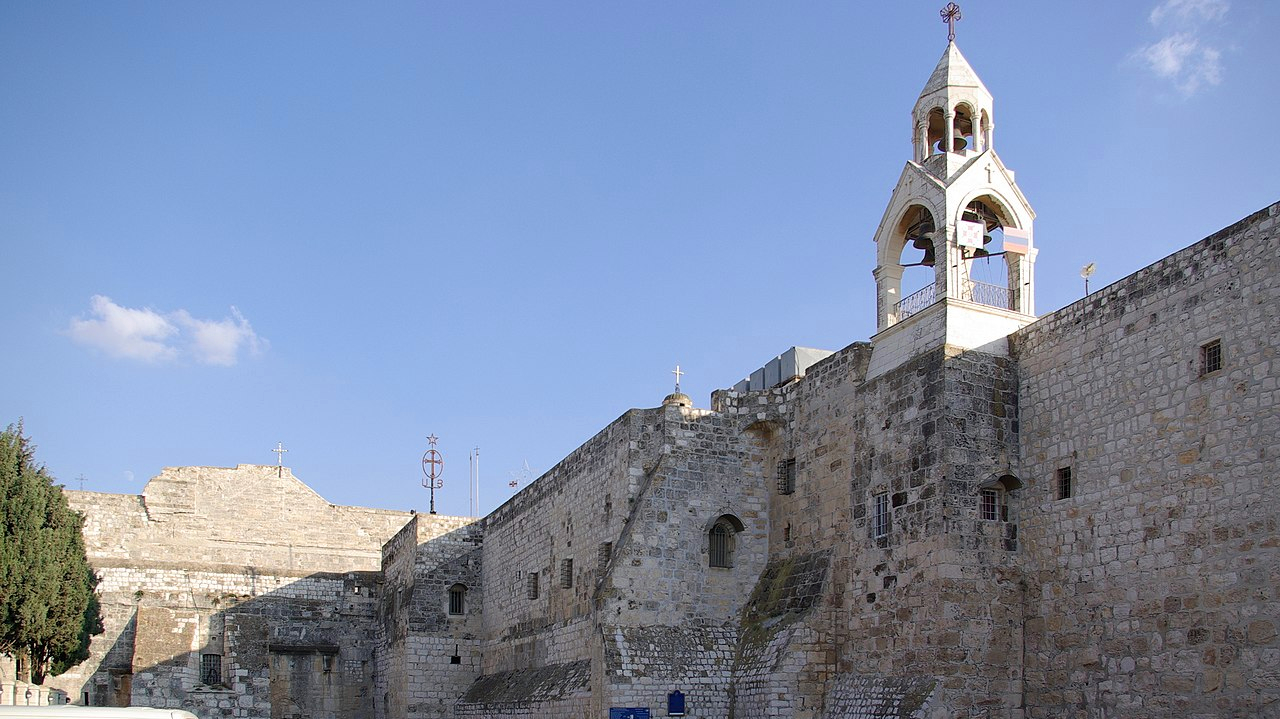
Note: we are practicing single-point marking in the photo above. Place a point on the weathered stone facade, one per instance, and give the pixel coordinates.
(975, 514)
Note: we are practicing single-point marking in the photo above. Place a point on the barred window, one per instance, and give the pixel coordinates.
(211, 669)
(722, 540)
(566, 573)
(1064, 483)
(881, 521)
(603, 554)
(787, 476)
(457, 599)
(990, 505)
(1210, 357)
(531, 585)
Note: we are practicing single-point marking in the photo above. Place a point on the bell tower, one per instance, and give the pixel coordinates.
(954, 256)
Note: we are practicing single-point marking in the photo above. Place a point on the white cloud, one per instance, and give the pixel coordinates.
(149, 336)
(123, 332)
(219, 341)
(1189, 11)
(1186, 56)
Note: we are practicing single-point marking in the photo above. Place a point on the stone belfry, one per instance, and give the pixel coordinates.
(956, 226)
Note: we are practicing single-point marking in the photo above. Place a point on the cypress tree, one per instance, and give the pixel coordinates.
(48, 606)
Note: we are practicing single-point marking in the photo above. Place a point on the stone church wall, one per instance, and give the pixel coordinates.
(205, 610)
(1153, 586)
(430, 654)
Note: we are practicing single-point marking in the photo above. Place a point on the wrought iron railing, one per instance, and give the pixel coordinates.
(978, 292)
(915, 302)
(990, 295)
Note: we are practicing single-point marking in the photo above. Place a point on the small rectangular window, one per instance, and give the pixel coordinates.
(1064, 482)
(1210, 357)
(787, 476)
(604, 554)
(566, 573)
(457, 599)
(211, 669)
(531, 585)
(990, 504)
(880, 519)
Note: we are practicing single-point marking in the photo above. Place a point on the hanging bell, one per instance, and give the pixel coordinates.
(986, 239)
(922, 243)
(928, 260)
(959, 144)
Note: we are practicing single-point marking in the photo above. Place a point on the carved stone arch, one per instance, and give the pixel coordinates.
(722, 540)
(889, 253)
(965, 121)
(1003, 208)
(935, 120)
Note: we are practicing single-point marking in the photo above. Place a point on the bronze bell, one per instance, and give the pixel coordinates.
(959, 144)
(928, 260)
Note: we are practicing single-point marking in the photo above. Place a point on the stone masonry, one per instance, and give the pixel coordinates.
(977, 513)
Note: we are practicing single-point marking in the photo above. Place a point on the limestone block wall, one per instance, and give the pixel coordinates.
(930, 597)
(246, 564)
(546, 553)
(1153, 586)
(430, 656)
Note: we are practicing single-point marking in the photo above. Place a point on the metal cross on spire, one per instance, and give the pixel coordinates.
(678, 374)
(279, 450)
(951, 15)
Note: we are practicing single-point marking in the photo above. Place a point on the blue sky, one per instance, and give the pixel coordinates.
(348, 226)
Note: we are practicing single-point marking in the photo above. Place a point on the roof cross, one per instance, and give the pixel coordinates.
(280, 450)
(951, 15)
(678, 373)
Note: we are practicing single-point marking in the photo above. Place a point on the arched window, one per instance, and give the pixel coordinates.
(722, 540)
(458, 600)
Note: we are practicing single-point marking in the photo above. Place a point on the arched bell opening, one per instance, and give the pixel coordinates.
(916, 236)
(937, 132)
(963, 127)
(980, 234)
(984, 128)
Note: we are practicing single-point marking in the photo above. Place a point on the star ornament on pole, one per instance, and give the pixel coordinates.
(951, 16)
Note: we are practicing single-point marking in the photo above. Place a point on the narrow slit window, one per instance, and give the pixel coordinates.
(457, 600)
(604, 554)
(881, 520)
(531, 585)
(566, 573)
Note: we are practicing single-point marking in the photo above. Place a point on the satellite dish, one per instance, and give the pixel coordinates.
(1085, 272)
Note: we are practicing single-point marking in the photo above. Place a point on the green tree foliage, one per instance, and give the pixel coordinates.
(48, 606)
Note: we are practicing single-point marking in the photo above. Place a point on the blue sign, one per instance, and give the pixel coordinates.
(629, 713)
(675, 704)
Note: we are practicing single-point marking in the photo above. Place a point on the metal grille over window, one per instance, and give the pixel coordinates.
(990, 505)
(787, 476)
(531, 586)
(881, 522)
(604, 554)
(211, 669)
(457, 599)
(1210, 357)
(1064, 482)
(721, 545)
(566, 573)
